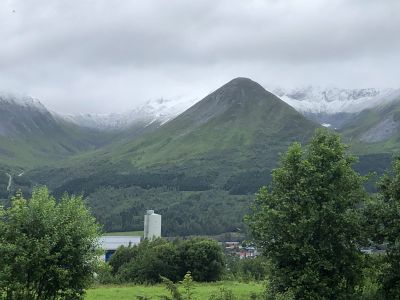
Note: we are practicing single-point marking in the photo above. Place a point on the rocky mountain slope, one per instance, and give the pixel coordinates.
(377, 129)
(30, 135)
(157, 111)
(335, 107)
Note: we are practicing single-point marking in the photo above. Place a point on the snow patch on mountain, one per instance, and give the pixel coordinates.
(335, 100)
(24, 101)
(158, 110)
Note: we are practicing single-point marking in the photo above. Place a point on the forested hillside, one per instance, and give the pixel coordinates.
(199, 170)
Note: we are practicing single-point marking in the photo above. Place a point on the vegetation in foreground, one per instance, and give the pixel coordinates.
(148, 261)
(315, 217)
(201, 291)
(311, 224)
(48, 248)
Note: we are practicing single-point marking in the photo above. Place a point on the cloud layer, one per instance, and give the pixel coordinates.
(109, 56)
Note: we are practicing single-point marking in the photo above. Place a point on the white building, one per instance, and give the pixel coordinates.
(111, 243)
(152, 225)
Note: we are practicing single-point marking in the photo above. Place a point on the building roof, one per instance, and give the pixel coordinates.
(113, 242)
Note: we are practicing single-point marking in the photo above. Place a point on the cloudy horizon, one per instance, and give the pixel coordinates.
(102, 57)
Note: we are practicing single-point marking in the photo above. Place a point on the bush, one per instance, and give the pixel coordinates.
(223, 294)
(203, 258)
(122, 256)
(48, 249)
(247, 269)
(151, 260)
(104, 274)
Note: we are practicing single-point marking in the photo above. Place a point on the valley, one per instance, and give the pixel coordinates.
(199, 167)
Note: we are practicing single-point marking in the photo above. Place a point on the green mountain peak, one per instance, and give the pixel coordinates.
(235, 121)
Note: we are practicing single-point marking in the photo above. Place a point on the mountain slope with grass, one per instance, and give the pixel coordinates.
(236, 121)
(31, 136)
(335, 107)
(199, 170)
(374, 136)
(376, 130)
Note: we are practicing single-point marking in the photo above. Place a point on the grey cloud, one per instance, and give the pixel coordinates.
(106, 56)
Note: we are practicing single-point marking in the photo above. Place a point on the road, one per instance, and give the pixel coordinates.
(9, 182)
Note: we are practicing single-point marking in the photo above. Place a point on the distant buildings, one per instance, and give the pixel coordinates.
(152, 229)
(111, 243)
(236, 249)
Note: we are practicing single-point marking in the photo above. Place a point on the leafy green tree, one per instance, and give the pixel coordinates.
(383, 213)
(152, 260)
(307, 221)
(122, 256)
(204, 258)
(48, 249)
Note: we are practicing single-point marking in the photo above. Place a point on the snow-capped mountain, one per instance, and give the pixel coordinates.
(22, 101)
(159, 110)
(333, 100)
(335, 107)
(25, 117)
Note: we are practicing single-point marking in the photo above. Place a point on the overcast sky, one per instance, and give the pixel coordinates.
(109, 56)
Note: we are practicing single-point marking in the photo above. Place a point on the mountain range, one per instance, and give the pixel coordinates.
(335, 107)
(200, 165)
(158, 111)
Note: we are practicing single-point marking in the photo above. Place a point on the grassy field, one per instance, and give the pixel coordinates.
(202, 291)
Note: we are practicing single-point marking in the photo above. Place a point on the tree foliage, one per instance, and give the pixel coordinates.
(151, 260)
(203, 258)
(248, 269)
(48, 249)
(383, 214)
(307, 222)
(184, 213)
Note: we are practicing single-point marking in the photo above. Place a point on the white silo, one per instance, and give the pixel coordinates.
(152, 225)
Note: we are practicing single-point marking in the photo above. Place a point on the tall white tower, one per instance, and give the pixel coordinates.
(152, 225)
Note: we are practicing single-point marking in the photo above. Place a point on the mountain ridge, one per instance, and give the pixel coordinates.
(200, 169)
(30, 135)
(206, 163)
(153, 111)
(235, 112)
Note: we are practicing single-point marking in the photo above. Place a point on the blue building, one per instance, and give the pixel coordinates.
(111, 243)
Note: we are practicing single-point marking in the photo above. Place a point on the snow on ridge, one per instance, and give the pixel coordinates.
(157, 110)
(25, 101)
(153, 111)
(335, 100)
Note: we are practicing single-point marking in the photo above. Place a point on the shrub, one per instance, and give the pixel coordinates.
(149, 260)
(203, 258)
(247, 269)
(48, 248)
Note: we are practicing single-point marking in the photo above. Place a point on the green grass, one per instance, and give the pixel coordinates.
(124, 233)
(202, 291)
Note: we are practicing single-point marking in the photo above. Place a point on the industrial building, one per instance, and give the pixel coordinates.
(152, 230)
(111, 243)
(152, 225)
